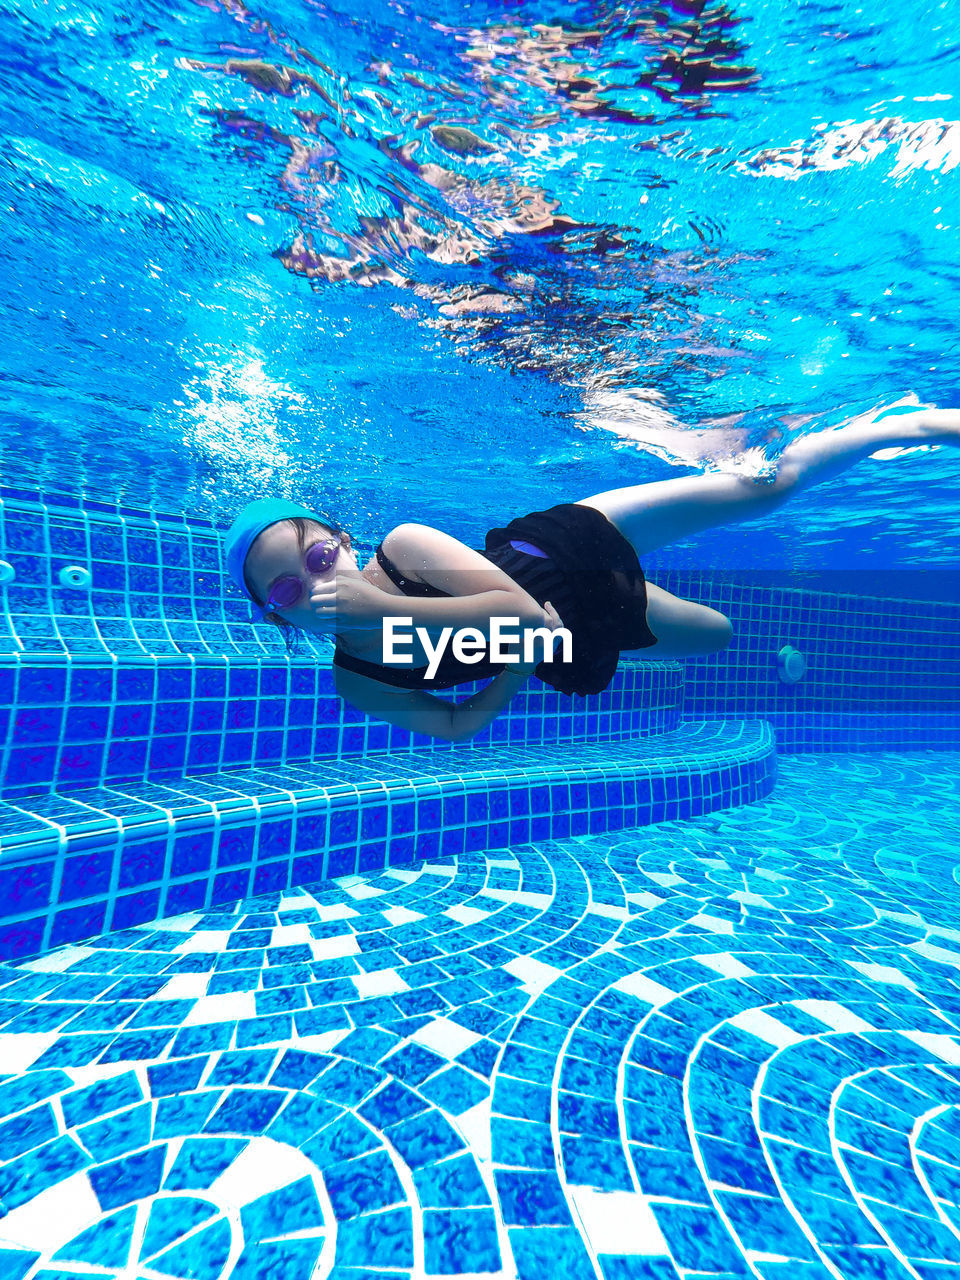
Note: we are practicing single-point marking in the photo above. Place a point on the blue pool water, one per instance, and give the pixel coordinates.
(556, 250)
(658, 984)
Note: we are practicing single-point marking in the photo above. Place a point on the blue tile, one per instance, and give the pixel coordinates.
(201, 1256)
(341, 1140)
(391, 1104)
(173, 1217)
(293, 1208)
(698, 1240)
(105, 1244)
(201, 1161)
(364, 1185)
(180, 1076)
(125, 1131)
(379, 1239)
(555, 1251)
(282, 1260)
(28, 1130)
(424, 1139)
(455, 1090)
(595, 1162)
(531, 1198)
(181, 1115)
(460, 1240)
(244, 1066)
(760, 1221)
(636, 1268)
(129, 1178)
(452, 1183)
(26, 1177)
(245, 1111)
(15, 1263)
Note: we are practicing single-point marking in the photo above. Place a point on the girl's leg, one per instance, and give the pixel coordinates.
(654, 515)
(684, 629)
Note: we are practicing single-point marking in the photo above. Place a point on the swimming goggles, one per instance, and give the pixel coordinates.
(286, 591)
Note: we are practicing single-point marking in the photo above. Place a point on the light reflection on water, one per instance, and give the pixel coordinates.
(292, 247)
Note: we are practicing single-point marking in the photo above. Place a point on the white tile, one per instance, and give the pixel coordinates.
(343, 944)
(716, 924)
(636, 984)
(767, 1029)
(618, 1222)
(463, 914)
(767, 873)
(945, 1047)
(666, 879)
(262, 1166)
(438, 869)
(360, 891)
(401, 915)
(519, 898)
(290, 935)
(445, 1037)
(883, 973)
(324, 1042)
(53, 1217)
(176, 924)
(833, 1015)
(608, 911)
(534, 974)
(203, 940)
(942, 954)
(297, 902)
(382, 982)
(941, 931)
(646, 900)
(335, 911)
(474, 1128)
(94, 1072)
(716, 864)
(747, 899)
(230, 1006)
(184, 986)
(503, 862)
(902, 917)
(19, 1050)
(726, 965)
(404, 876)
(60, 960)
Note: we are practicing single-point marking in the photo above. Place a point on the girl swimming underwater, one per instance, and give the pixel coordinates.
(573, 565)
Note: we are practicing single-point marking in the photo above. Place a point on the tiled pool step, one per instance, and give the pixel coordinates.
(74, 863)
(89, 723)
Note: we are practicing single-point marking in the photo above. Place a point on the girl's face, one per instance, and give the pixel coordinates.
(275, 554)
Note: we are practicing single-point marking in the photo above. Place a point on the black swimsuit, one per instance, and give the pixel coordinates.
(589, 573)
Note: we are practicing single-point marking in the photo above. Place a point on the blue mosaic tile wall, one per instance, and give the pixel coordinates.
(89, 724)
(880, 672)
(723, 1047)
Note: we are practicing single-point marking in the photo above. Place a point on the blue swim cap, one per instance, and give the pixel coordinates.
(251, 522)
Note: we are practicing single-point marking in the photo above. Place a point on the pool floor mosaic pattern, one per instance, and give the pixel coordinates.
(726, 1046)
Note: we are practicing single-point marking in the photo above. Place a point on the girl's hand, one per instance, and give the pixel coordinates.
(551, 620)
(350, 602)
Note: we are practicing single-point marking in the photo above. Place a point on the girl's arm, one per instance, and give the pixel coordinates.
(477, 589)
(421, 712)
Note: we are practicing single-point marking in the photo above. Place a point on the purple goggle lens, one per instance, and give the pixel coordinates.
(318, 558)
